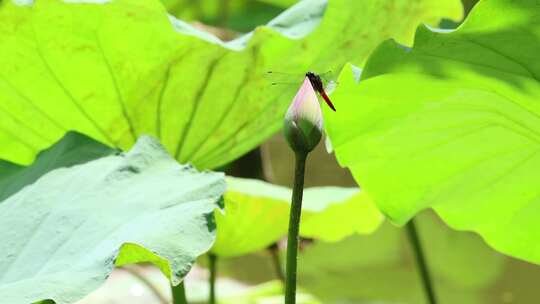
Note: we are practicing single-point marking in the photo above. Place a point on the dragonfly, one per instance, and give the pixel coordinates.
(317, 84)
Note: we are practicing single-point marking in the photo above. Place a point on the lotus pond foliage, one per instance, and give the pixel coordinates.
(123, 124)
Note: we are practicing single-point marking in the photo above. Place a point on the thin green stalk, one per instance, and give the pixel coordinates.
(212, 265)
(276, 261)
(179, 294)
(294, 227)
(421, 262)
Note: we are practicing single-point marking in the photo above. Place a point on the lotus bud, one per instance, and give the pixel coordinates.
(303, 121)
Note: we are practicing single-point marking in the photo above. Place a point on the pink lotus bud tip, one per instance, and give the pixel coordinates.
(303, 121)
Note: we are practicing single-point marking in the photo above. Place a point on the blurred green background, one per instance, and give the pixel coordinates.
(361, 269)
(235, 15)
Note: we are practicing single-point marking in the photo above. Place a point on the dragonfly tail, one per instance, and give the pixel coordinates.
(327, 99)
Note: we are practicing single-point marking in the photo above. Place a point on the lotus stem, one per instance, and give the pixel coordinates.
(294, 227)
(179, 294)
(421, 262)
(276, 261)
(212, 265)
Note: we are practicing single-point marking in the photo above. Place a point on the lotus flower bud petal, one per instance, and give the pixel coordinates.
(303, 121)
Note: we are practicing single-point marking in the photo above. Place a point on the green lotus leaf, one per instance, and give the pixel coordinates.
(257, 214)
(333, 213)
(63, 234)
(72, 149)
(452, 125)
(116, 69)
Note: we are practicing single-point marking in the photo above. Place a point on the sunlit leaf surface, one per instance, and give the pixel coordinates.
(117, 69)
(257, 214)
(453, 125)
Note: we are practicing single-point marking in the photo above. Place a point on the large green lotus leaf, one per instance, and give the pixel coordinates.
(117, 69)
(453, 125)
(257, 214)
(333, 213)
(72, 149)
(63, 234)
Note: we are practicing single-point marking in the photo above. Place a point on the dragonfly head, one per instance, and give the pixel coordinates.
(316, 81)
